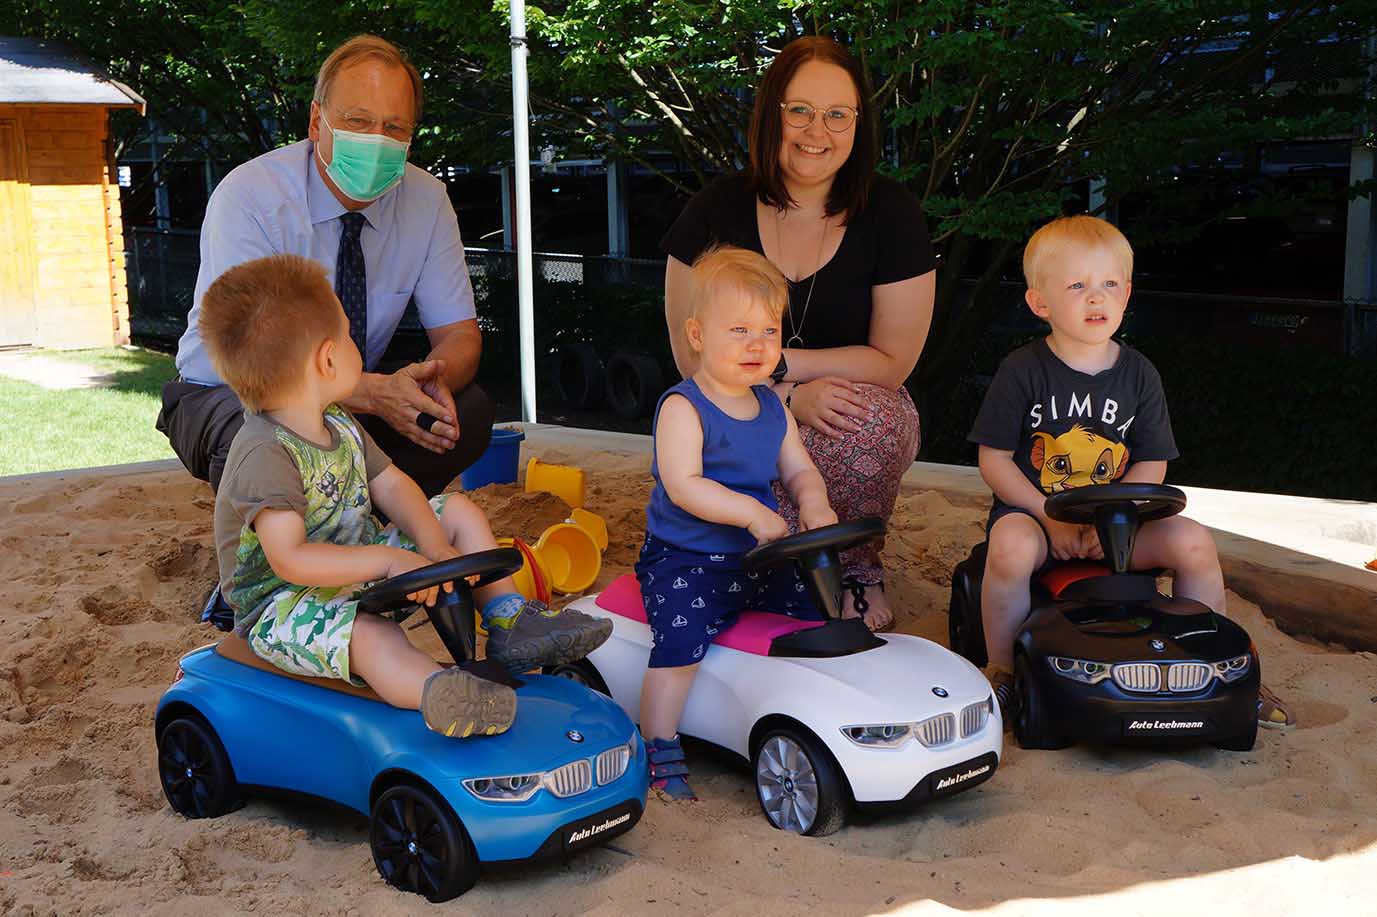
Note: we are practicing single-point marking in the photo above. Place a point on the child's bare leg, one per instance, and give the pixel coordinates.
(522, 635)
(1186, 547)
(468, 531)
(1016, 548)
(380, 654)
(663, 695)
(452, 701)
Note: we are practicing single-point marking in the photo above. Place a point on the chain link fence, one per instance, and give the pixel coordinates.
(161, 265)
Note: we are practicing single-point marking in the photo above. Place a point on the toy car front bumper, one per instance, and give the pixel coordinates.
(581, 834)
(546, 826)
(1106, 713)
(946, 781)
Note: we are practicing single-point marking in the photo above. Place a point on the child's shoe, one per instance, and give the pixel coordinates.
(668, 772)
(1272, 713)
(536, 635)
(460, 704)
(1002, 685)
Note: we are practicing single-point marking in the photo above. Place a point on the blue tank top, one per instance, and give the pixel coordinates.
(742, 455)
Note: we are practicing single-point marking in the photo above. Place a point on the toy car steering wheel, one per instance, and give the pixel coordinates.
(837, 537)
(489, 566)
(1078, 505)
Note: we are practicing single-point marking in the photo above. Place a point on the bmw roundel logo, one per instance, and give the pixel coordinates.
(1158, 645)
(939, 690)
(574, 735)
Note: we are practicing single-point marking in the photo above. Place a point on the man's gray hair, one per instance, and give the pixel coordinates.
(361, 46)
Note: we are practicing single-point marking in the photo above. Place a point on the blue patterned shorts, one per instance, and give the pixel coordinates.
(691, 597)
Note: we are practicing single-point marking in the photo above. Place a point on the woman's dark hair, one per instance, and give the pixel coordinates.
(851, 186)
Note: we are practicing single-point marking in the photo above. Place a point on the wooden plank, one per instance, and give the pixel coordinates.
(18, 308)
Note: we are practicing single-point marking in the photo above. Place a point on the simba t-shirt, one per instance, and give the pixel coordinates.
(270, 467)
(1066, 428)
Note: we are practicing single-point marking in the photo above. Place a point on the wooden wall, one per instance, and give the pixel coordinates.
(77, 249)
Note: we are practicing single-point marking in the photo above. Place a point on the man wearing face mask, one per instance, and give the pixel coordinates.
(387, 233)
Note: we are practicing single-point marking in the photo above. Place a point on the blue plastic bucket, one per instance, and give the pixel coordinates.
(498, 463)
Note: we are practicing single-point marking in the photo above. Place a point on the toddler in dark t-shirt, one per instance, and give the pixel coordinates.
(1077, 408)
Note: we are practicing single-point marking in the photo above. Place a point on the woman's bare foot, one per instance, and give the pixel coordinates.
(877, 614)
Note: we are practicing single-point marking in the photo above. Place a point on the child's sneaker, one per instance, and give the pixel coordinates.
(1002, 684)
(668, 772)
(539, 636)
(1272, 713)
(460, 704)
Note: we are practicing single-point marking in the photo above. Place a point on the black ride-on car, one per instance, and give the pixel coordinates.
(1103, 655)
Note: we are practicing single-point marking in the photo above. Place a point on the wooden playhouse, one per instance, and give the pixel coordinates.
(62, 281)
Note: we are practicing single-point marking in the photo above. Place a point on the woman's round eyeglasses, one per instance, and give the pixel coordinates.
(835, 118)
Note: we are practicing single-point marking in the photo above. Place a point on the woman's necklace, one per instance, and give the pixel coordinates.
(795, 331)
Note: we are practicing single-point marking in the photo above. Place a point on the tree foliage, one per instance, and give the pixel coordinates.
(996, 113)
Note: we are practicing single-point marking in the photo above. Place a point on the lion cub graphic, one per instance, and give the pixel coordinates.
(1076, 458)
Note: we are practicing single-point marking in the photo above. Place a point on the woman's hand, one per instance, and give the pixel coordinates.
(831, 405)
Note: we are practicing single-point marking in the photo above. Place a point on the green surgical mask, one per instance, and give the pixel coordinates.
(364, 166)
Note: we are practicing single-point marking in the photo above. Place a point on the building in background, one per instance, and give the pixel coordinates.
(62, 277)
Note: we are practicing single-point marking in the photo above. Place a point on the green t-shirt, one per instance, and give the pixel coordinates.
(270, 467)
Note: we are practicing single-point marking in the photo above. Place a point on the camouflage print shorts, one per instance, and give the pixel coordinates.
(306, 631)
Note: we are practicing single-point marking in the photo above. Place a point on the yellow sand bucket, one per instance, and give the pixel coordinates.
(533, 579)
(591, 523)
(564, 481)
(570, 555)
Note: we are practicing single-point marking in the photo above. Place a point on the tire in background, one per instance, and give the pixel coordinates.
(634, 384)
(578, 375)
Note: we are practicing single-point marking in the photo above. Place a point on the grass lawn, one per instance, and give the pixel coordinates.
(48, 430)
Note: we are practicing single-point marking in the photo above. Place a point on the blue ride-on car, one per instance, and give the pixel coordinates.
(570, 773)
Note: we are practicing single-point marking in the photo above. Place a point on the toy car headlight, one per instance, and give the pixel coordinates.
(1089, 673)
(1233, 669)
(884, 735)
(514, 788)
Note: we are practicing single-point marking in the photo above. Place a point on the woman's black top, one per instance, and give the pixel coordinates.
(885, 243)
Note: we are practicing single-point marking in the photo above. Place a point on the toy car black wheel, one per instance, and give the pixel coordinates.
(419, 844)
(195, 772)
(965, 629)
(1031, 726)
(581, 671)
(798, 784)
(1243, 741)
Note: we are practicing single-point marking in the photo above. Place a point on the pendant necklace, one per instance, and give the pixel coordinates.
(795, 331)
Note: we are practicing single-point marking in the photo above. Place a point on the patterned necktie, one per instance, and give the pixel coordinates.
(351, 281)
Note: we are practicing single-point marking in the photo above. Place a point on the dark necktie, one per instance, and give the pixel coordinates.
(351, 281)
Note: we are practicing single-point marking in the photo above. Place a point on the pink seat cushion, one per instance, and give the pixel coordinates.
(752, 632)
(623, 597)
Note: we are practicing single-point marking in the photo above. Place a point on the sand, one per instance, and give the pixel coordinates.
(101, 582)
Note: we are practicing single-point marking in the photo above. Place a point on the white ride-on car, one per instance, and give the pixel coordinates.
(827, 714)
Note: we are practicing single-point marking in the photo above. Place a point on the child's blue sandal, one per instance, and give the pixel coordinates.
(668, 772)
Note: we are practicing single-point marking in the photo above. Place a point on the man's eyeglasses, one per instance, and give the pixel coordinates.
(365, 124)
(836, 118)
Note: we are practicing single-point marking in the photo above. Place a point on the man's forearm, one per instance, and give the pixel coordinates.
(460, 351)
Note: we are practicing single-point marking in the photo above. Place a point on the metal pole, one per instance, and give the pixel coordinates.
(520, 119)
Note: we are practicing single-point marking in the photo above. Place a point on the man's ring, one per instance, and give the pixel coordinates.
(426, 421)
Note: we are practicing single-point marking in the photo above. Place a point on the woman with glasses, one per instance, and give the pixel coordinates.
(855, 248)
